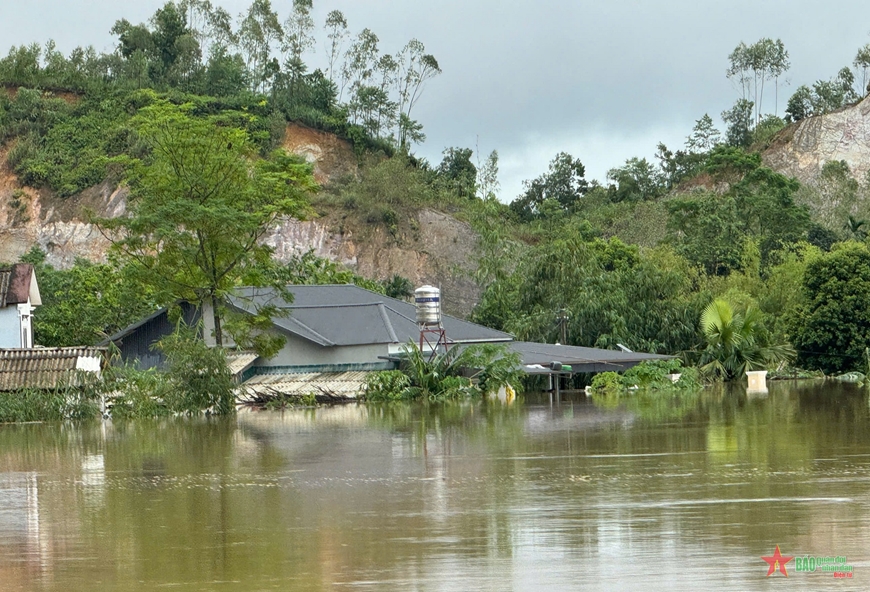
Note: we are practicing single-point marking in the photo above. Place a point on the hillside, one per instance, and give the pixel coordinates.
(427, 246)
(802, 149)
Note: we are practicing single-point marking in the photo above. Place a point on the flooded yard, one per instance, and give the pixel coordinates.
(676, 494)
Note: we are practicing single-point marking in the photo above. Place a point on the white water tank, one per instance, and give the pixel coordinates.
(428, 302)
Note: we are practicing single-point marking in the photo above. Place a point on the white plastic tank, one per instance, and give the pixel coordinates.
(428, 302)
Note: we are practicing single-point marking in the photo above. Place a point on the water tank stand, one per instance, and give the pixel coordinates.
(434, 338)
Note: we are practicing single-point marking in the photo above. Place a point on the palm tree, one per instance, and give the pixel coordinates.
(855, 227)
(736, 343)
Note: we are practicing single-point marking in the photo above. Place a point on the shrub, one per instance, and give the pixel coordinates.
(389, 385)
(607, 382)
(198, 374)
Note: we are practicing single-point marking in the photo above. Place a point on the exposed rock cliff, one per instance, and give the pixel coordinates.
(803, 149)
(430, 247)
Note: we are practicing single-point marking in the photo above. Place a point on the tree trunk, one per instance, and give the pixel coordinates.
(218, 332)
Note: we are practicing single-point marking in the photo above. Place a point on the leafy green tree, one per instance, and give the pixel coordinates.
(710, 229)
(200, 203)
(84, 304)
(636, 180)
(704, 136)
(679, 165)
(705, 229)
(766, 129)
(800, 105)
(457, 172)
(564, 184)
(487, 177)
(739, 121)
(831, 331)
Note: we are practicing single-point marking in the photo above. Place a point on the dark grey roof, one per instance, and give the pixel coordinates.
(350, 315)
(581, 359)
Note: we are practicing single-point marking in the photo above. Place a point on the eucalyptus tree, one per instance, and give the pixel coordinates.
(336, 33)
(415, 68)
(359, 62)
(298, 33)
(752, 65)
(862, 63)
(258, 31)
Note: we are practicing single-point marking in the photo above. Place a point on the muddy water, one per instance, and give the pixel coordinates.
(678, 494)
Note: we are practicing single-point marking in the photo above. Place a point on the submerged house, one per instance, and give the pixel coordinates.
(19, 295)
(334, 334)
(23, 365)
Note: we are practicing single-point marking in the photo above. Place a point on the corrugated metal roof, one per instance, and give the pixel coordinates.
(350, 315)
(329, 385)
(239, 361)
(581, 359)
(44, 367)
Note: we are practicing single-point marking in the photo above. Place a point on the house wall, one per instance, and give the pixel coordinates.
(301, 352)
(10, 327)
(138, 346)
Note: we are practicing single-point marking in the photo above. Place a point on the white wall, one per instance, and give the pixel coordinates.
(10, 327)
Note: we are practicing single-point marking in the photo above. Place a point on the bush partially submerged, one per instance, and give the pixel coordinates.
(456, 373)
(653, 375)
(65, 402)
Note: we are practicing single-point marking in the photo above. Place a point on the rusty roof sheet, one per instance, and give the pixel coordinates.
(15, 283)
(45, 367)
(331, 385)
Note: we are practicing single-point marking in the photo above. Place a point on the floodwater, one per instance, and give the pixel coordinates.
(678, 494)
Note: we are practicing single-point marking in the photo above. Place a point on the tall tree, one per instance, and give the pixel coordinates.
(258, 31)
(336, 33)
(415, 68)
(862, 63)
(298, 37)
(359, 62)
(200, 203)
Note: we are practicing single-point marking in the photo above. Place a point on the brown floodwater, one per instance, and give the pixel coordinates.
(674, 493)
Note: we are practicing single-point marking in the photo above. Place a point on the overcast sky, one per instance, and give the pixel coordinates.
(602, 80)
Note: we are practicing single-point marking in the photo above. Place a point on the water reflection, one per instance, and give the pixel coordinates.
(580, 494)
